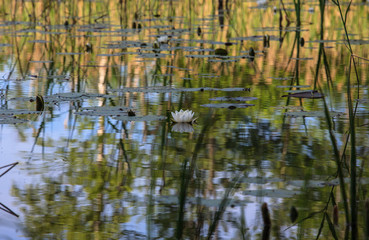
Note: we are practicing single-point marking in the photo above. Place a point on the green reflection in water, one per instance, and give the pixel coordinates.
(104, 176)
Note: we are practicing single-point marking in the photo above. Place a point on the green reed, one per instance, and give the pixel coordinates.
(351, 220)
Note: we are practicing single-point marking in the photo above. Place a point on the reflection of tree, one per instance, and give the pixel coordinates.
(120, 170)
(86, 202)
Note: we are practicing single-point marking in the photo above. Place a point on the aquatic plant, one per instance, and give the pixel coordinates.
(183, 116)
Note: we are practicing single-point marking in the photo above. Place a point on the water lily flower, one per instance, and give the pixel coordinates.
(163, 39)
(183, 116)
(182, 127)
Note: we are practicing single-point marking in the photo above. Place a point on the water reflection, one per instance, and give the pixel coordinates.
(90, 169)
(182, 127)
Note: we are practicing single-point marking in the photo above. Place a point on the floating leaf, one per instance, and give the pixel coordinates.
(281, 78)
(58, 77)
(302, 59)
(305, 94)
(141, 118)
(11, 120)
(240, 99)
(39, 41)
(105, 108)
(357, 42)
(362, 100)
(222, 60)
(313, 114)
(290, 107)
(294, 86)
(69, 53)
(74, 96)
(12, 112)
(154, 55)
(251, 38)
(227, 105)
(200, 56)
(60, 97)
(179, 68)
(170, 89)
(5, 45)
(41, 61)
(322, 41)
(103, 111)
(308, 183)
(277, 193)
(260, 180)
(173, 199)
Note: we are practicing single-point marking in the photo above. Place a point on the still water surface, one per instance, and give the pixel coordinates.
(96, 173)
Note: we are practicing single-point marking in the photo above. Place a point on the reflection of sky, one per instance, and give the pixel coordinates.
(262, 130)
(10, 153)
(55, 130)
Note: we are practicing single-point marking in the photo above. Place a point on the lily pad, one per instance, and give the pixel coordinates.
(281, 78)
(69, 53)
(5, 45)
(115, 54)
(39, 41)
(104, 111)
(239, 99)
(223, 60)
(12, 112)
(290, 107)
(74, 96)
(60, 97)
(200, 56)
(141, 118)
(294, 86)
(250, 38)
(362, 100)
(305, 94)
(302, 59)
(11, 120)
(170, 89)
(308, 183)
(41, 61)
(228, 105)
(317, 183)
(322, 41)
(172, 199)
(274, 193)
(260, 180)
(313, 114)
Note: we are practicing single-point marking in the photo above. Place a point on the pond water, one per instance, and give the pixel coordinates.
(88, 169)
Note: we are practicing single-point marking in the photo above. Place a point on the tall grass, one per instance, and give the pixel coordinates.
(352, 213)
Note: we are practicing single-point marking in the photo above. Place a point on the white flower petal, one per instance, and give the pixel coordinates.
(183, 116)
